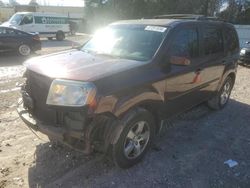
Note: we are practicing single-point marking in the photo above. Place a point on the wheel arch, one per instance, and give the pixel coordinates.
(118, 121)
(232, 75)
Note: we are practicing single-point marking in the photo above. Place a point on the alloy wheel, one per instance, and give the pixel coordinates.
(225, 94)
(24, 50)
(136, 140)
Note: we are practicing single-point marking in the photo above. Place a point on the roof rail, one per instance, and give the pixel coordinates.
(186, 16)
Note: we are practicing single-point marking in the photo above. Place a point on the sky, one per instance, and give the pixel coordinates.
(53, 2)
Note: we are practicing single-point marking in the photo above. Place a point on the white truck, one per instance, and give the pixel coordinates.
(48, 25)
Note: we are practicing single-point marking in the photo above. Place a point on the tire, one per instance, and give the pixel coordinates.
(135, 139)
(24, 50)
(60, 36)
(220, 100)
(50, 38)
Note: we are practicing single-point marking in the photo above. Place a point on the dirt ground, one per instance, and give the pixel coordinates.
(190, 153)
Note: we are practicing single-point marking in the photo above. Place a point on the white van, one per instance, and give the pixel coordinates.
(46, 24)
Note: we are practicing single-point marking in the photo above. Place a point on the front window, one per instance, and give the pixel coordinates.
(27, 19)
(128, 42)
(16, 19)
(185, 44)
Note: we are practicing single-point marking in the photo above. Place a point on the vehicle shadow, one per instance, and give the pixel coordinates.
(244, 65)
(190, 154)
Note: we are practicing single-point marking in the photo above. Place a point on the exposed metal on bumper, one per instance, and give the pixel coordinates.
(59, 133)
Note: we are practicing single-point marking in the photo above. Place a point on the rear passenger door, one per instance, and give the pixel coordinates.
(213, 57)
(10, 38)
(6, 41)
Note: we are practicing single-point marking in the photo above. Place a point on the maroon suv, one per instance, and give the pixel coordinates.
(113, 93)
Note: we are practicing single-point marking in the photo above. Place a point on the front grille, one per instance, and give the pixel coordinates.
(37, 86)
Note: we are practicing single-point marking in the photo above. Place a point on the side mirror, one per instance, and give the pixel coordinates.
(174, 60)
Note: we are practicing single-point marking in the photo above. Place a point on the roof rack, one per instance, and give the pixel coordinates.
(186, 16)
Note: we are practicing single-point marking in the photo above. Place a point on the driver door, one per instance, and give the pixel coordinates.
(184, 81)
(27, 23)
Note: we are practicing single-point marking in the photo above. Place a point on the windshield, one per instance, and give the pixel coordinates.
(16, 19)
(128, 42)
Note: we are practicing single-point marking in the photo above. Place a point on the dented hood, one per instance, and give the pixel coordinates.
(79, 65)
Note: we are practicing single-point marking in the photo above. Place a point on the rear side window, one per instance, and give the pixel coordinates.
(185, 44)
(231, 40)
(213, 41)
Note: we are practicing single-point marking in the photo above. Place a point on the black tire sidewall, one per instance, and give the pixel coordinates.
(60, 36)
(118, 149)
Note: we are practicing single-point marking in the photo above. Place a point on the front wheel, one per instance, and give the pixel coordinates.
(221, 99)
(135, 139)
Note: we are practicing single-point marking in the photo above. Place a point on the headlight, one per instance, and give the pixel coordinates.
(71, 93)
(243, 52)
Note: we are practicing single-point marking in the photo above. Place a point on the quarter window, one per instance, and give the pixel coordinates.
(213, 41)
(231, 40)
(185, 44)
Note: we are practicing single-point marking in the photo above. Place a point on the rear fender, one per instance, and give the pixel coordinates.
(230, 71)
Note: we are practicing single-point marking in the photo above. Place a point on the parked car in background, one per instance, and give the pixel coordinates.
(245, 55)
(115, 92)
(21, 42)
(46, 24)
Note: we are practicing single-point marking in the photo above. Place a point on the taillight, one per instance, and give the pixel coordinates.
(36, 37)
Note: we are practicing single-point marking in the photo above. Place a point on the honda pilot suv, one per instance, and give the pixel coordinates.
(113, 93)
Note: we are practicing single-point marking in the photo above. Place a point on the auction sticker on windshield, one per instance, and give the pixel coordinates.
(156, 28)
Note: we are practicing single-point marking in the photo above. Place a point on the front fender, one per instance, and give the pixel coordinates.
(123, 106)
(119, 106)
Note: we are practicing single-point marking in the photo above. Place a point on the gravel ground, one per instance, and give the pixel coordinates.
(190, 153)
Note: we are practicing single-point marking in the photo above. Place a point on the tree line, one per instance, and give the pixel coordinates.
(235, 11)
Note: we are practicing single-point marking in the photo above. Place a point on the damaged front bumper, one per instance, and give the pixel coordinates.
(98, 134)
(75, 139)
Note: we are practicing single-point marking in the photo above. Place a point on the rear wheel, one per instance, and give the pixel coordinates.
(221, 99)
(134, 140)
(24, 50)
(60, 36)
